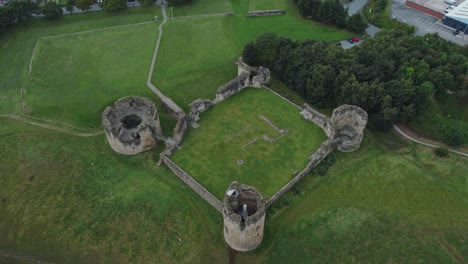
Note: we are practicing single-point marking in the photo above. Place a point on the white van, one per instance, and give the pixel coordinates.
(451, 2)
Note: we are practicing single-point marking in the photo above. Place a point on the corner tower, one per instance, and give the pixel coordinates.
(244, 217)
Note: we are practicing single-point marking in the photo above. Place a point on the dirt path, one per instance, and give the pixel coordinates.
(420, 139)
(57, 126)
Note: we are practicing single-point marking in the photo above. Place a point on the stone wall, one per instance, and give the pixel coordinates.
(326, 148)
(193, 184)
(349, 122)
(318, 118)
(265, 13)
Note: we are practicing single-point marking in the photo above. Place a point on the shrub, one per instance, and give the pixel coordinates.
(52, 10)
(441, 152)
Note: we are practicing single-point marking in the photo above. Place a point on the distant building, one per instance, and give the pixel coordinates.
(458, 18)
(433, 8)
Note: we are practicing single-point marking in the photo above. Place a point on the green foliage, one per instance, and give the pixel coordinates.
(356, 23)
(84, 5)
(70, 6)
(323, 167)
(441, 152)
(451, 133)
(113, 5)
(250, 53)
(16, 11)
(52, 10)
(146, 2)
(392, 76)
(378, 12)
(179, 2)
(327, 11)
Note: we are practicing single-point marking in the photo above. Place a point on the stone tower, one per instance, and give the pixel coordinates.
(131, 125)
(244, 217)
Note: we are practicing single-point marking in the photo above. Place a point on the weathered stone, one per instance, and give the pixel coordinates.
(349, 122)
(199, 106)
(244, 217)
(266, 13)
(130, 125)
(247, 76)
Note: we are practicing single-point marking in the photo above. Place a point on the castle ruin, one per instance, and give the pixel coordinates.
(244, 217)
(131, 124)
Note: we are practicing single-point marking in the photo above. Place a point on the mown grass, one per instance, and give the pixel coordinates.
(186, 74)
(72, 200)
(75, 77)
(267, 5)
(267, 166)
(16, 46)
(200, 7)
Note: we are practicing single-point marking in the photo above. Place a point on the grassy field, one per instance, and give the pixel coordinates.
(16, 47)
(72, 200)
(200, 7)
(186, 74)
(267, 165)
(87, 72)
(65, 199)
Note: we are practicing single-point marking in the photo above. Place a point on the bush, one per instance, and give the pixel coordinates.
(146, 2)
(52, 10)
(356, 24)
(452, 134)
(441, 152)
(113, 5)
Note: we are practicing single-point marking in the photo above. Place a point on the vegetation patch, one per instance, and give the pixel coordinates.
(239, 129)
(75, 77)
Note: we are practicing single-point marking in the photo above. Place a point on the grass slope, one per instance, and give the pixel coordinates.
(186, 74)
(75, 77)
(200, 7)
(16, 46)
(267, 166)
(66, 199)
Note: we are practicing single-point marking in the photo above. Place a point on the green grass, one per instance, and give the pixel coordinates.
(186, 74)
(16, 46)
(73, 200)
(200, 7)
(267, 5)
(267, 166)
(75, 77)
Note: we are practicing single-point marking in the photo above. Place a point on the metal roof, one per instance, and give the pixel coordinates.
(460, 13)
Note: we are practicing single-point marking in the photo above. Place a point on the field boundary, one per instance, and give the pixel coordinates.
(203, 15)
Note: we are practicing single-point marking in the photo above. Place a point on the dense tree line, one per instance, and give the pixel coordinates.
(330, 12)
(392, 76)
(18, 11)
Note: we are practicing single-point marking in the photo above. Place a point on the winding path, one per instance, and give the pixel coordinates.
(64, 128)
(402, 133)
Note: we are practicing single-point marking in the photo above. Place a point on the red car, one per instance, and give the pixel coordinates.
(355, 39)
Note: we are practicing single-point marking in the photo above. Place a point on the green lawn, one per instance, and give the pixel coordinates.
(75, 77)
(267, 5)
(210, 159)
(200, 7)
(66, 199)
(16, 47)
(186, 74)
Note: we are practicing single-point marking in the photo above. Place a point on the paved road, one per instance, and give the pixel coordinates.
(425, 24)
(355, 6)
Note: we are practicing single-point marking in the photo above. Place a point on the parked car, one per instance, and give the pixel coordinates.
(456, 32)
(350, 40)
(355, 39)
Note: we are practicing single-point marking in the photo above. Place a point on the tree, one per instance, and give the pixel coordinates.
(52, 10)
(113, 5)
(70, 6)
(84, 5)
(451, 133)
(356, 24)
(146, 2)
(22, 10)
(250, 53)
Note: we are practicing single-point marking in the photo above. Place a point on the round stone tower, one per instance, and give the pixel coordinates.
(131, 125)
(244, 217)
(349, 122)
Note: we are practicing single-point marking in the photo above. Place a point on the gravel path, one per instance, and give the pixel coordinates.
(401, 132)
